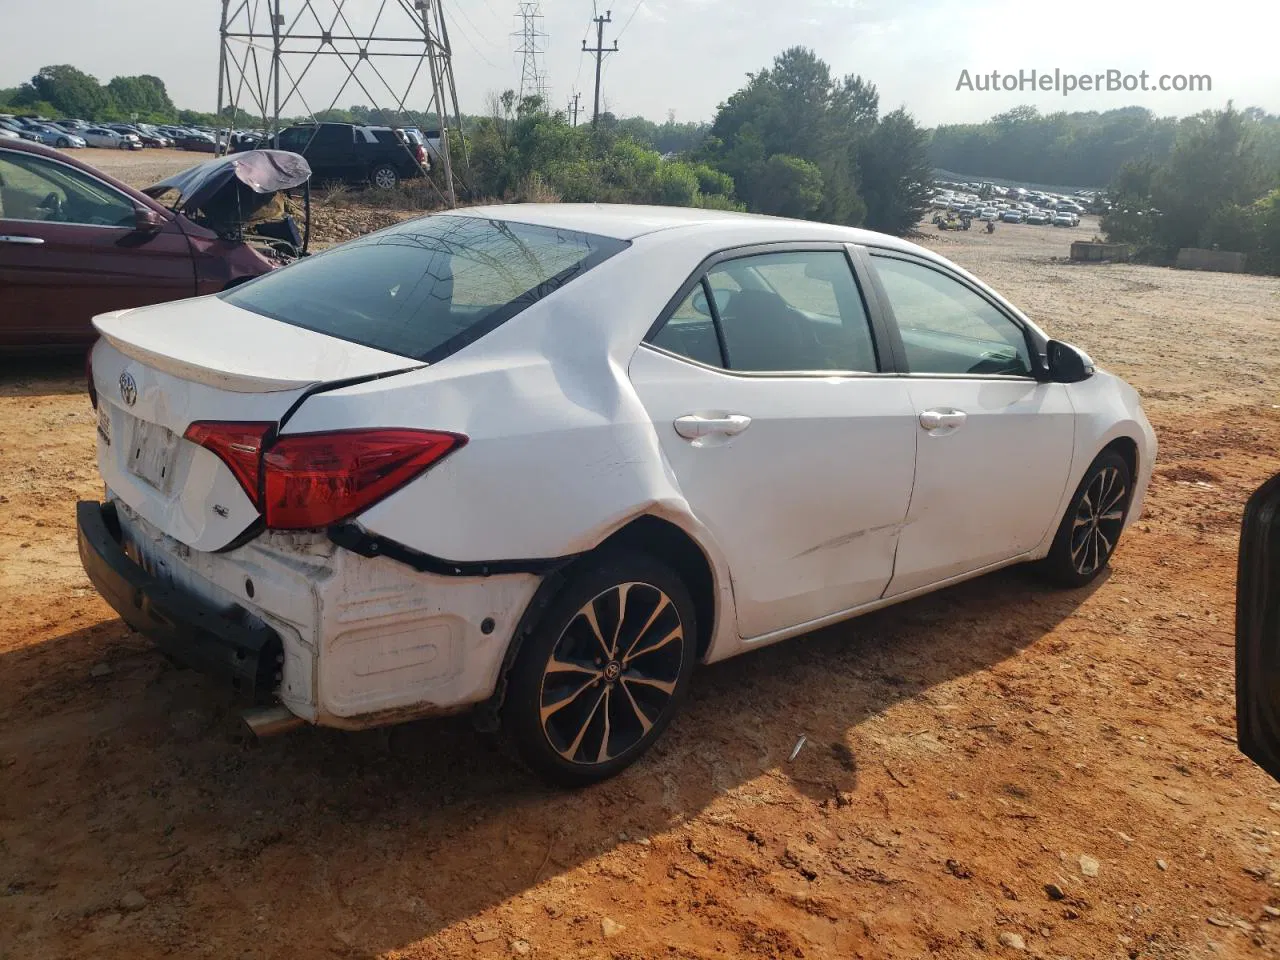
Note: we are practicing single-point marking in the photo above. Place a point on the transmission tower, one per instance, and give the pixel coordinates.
(269, 48)
(531, 45)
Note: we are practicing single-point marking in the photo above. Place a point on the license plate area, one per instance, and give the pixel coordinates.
(151, 453)
(104, 423)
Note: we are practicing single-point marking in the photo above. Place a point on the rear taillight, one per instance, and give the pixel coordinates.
(88, 377)
(421, 153)
(237, 444)
(310, 480)
(315, 479)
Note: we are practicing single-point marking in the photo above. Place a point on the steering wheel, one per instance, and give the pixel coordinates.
(53, 203)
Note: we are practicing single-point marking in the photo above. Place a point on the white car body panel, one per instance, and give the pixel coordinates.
(805, 518)
(1017, 435)
(775, 497)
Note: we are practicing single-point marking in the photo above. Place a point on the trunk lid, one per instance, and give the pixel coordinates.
(158, 369)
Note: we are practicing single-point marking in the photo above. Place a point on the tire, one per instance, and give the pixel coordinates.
(63, 142)
(384, 176)
(561, 678)
(1090, 529)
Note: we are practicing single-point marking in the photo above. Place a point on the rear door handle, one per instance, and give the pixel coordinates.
(937, 419)
(16, 239)
(692, 426)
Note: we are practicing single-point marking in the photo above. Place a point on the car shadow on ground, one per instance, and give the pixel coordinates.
(58, 374)
(366, 842)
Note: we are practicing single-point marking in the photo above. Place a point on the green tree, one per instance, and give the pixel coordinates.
(895, 173)
(795, 108)
(1215, 163)
(795, 187)
(72, 92)
(143, 95)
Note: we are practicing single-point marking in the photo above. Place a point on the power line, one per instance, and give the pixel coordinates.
(577, 76)
(634, 11)
(471, 44)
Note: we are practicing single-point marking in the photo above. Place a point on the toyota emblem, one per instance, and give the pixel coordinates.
(128, 389)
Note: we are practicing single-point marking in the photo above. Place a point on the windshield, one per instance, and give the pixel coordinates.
(428, 287)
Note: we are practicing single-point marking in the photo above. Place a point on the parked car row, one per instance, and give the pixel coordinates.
(1044, 209)
(70, 134)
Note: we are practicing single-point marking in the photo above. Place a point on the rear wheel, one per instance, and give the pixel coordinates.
(606, 669)
(1089, 531)
(384, 176)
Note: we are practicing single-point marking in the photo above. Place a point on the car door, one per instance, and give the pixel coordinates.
(70, 249)
(1258, 630)
(765, 387)
(994, 443)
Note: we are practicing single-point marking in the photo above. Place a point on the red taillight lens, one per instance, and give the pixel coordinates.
(421, 153)
(315, 479)
(239, 445)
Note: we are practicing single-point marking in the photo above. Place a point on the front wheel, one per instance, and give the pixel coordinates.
(1089, 531)
(64, 142)
(384, 176)
(603, 673)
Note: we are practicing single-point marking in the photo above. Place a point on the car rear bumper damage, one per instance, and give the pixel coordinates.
(340, 639)
(189, 629)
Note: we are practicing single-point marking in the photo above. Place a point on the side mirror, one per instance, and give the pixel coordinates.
(147, 220)
(1066, 363)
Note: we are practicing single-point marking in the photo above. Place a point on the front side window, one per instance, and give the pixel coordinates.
(946, 327)
(777, 312)
(35, 188)
(426, 287)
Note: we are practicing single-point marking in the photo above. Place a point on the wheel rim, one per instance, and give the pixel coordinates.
(1097, 522)
(385, 178)
(612, 673)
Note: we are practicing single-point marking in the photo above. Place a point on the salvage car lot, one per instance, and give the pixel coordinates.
(995, 765)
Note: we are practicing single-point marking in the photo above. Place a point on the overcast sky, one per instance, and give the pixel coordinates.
(686, 56)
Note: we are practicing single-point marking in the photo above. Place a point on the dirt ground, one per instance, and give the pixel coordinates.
(993, 769)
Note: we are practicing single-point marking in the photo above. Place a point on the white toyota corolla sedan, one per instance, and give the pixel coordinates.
(542, 459)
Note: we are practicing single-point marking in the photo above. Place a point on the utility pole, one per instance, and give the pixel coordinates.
(572, 108)
(600, 50)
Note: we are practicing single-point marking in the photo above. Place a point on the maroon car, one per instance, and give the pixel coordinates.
(75, 242)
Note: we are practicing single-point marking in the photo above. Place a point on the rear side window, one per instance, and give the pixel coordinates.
(428, 287)
(296, 139)
(794, 311)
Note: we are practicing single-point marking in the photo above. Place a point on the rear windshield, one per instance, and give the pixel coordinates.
(425, 288)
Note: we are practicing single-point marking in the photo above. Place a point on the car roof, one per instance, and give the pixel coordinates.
(628, 221)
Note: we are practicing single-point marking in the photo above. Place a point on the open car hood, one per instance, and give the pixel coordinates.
(262, 171)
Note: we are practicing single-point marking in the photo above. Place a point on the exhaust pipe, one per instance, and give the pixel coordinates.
(270, 721)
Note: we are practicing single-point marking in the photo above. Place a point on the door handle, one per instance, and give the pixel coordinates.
(17, 239)
(692, 426)
(936, 419)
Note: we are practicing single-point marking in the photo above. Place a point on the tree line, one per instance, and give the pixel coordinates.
(1083, 149)
(1218, 187)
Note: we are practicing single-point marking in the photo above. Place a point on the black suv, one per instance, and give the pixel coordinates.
(354, 153)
